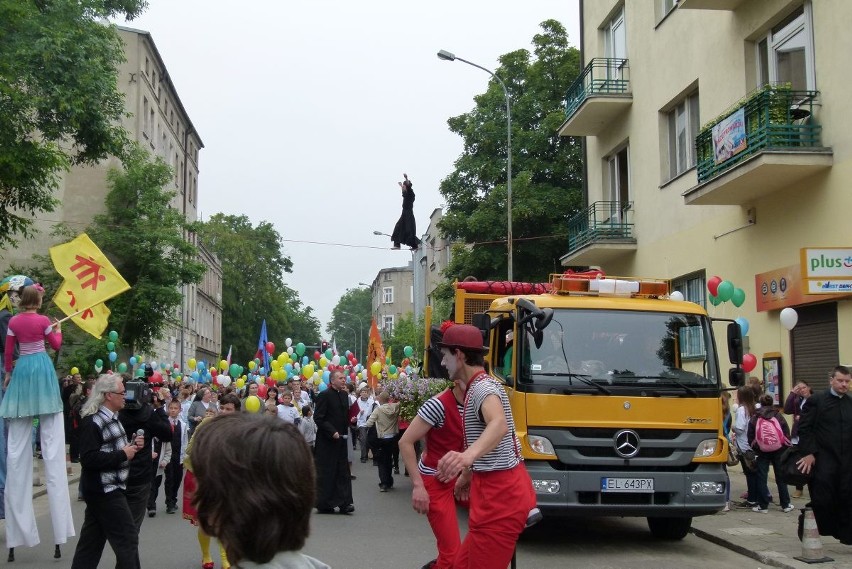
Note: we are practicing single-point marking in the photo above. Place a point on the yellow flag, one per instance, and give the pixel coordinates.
(88, 273)
(92, 319)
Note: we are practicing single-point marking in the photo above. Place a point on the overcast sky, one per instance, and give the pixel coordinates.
(311, 111)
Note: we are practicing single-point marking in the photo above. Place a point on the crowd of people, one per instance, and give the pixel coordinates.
(186, 435)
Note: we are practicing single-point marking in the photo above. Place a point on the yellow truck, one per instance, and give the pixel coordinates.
(615, 389)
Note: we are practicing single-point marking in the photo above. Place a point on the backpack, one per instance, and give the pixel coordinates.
(768, 434)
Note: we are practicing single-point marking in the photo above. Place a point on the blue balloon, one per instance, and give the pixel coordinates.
(326, 375)
(322, 387)
(195, 376)
(743, 325)
(305, 360)
(113, 356)
(288, 368)
(133, 360)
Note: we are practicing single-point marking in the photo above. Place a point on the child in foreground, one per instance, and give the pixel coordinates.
(261, 455)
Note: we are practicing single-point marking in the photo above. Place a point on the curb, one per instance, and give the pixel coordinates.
(771, 561)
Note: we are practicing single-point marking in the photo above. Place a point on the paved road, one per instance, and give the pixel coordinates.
(384, 533)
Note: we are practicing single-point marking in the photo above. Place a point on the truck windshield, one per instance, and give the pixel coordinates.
(657, 352)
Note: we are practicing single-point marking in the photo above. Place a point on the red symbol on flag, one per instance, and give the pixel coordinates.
(90, 269)
(73, 298)
(87, 314)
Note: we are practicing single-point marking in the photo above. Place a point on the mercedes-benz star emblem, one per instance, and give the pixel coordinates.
(626, 443)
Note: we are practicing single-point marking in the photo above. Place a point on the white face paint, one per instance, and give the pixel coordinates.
(449, 361)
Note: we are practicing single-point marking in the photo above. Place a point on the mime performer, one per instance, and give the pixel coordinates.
(32, 390)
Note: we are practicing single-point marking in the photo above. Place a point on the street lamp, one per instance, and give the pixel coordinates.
(360, 332)
(447, 56)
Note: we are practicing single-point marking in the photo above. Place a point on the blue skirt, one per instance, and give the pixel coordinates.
(33, 390)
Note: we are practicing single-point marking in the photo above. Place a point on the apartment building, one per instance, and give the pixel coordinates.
(393, 296)
(158, 121)
(431, 259)
(716, 144)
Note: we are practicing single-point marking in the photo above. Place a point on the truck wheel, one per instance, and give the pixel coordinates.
(669, 528)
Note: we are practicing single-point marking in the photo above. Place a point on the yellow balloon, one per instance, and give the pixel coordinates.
(74, 371)
(323, 362)
(276, 365)
(223, 365)
(376, 368)
(252, 404)
(317, 381)
(240, 383)
(252, 365)
(283, 357)
(192, 363)
(308, 370)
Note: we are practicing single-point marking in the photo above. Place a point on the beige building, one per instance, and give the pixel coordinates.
(431, 259)
(159, 122)
(717, 144)
(393, 296)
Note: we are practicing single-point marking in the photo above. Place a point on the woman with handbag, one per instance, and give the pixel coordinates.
(746, 399)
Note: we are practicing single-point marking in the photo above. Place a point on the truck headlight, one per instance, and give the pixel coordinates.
(546, 486)
(540, 445)
(707, 488)
(706, 448)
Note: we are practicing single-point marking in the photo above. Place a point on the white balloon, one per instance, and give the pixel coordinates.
(224, 380)
(335, 360)
(288, 342)
(676, 295)
(789, 318)
(290, 349)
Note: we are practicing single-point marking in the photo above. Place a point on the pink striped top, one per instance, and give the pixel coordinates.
(29, 330)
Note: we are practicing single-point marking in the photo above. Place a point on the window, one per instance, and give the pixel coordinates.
(682, 124)
(387, 277)
(615, 36)
(619, 182)
(387, 325)
(387, 295)
(664, 7)
(692, 287)
(785, 55)
(147, 67)
(145, 122)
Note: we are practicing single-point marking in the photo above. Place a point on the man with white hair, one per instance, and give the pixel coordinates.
(105, 455)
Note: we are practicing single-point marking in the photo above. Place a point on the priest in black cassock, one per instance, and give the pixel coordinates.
(825, 438)
(334, 485)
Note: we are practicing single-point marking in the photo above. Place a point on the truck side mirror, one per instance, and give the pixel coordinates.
(736, 376)
(735, 344)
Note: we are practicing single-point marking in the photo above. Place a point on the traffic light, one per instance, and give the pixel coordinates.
(324, 346)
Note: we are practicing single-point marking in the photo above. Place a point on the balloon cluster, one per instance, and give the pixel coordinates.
(723, 291)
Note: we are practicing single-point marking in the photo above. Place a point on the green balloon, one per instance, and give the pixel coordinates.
(392, 369)
(738, 298)
(234, 370)
(111, 346)
(329, 354)
(714, 300)
(408, 351)
(113, 336)
(122, 367)
(300, 349)
(725, 291)
(99, 362)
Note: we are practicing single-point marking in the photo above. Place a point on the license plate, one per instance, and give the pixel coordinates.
(637, 485)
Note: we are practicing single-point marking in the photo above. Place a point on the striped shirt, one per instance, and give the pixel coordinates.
(113, 439)
(433, 413)
(506, 455)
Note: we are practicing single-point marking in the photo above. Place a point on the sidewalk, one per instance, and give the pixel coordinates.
(769, 538)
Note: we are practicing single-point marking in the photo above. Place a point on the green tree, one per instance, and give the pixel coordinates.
(253, 288)
(146, 240)
(59, 101)
(547, 168)
(353, 312)
(406, 332)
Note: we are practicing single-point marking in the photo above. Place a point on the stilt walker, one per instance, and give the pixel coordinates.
(32, 390)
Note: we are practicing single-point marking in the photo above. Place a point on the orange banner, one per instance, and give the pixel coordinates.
(375, 353)
(783, 287)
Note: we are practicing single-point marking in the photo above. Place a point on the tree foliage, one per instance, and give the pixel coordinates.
(59, 101)
(352, 314)
(253, 288)
(406, 332)
(145, 238)
(546, 168)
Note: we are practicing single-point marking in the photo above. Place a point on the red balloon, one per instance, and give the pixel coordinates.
(316, 355)
(176, 366)
(749, 362)
(270, 382)
(270, 347)
(713, 285)
(157, 377)
(261, 391)
(352, 376)
(214, 372)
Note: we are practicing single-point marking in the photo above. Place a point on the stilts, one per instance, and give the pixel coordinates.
(57, 553)
(11, 555)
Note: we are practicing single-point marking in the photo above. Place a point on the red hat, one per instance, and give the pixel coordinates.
(463, 337)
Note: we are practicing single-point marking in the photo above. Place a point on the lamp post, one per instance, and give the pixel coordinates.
(447, 56)
(360, 332)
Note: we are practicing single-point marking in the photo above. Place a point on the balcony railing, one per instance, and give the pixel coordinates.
(601, 221)
(774, 118)
(602, 76)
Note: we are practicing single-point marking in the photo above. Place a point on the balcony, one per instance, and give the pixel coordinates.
(769, 142)
(599, 95)
(600, 233)
(728, 5)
